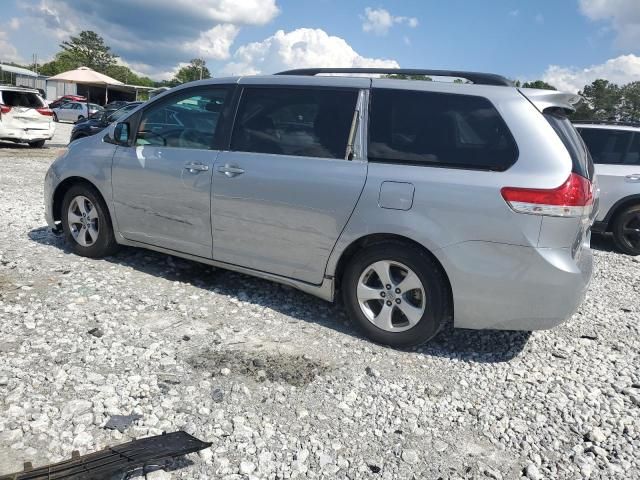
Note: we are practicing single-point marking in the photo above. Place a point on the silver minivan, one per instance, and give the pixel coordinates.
(418, 201)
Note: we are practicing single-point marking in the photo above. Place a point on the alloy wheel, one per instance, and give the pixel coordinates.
(391, 296)
(83, 221)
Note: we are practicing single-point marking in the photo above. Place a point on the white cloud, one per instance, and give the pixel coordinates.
(14, 23)
(624, 16)
(379, 21)
(8, 52)
(620, 70)
(304, 47)
(155, 35)
(214, 43)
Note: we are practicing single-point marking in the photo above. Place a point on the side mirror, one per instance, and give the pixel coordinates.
(118, 134)
(121, 133)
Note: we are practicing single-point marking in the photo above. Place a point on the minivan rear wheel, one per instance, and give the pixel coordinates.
(626, 230)
(86, 223)
(396, 294)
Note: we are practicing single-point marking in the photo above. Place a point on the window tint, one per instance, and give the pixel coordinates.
(186, 120)
(294, 121)
(633, 155)
(582, 162)
(118, 114)
(609, 146)
(21, 99)
(440, 130)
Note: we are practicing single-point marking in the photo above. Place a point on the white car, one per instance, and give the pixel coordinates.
(74, 111)
(24, 117)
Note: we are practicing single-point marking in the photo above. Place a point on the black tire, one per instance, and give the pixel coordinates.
(105, 243)
(38, 144)
(79, 119)
(436, 293)
(626, 230)
(55, 117)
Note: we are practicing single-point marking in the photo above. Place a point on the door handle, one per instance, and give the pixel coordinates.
(196, 167)
(634, 177)
(230, 170)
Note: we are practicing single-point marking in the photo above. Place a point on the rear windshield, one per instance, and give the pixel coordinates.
(582, 162)
(21, 99)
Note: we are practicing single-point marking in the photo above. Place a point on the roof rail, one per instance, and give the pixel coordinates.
(475, 77)
(622, 123)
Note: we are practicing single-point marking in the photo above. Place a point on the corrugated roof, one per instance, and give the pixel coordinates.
(18, 70)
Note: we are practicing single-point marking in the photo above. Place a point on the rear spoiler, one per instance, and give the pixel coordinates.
(543, 99)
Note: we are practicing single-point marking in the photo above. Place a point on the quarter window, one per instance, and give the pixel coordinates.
(438, 130)
(185, 120)
(609, 146)
(294, 121)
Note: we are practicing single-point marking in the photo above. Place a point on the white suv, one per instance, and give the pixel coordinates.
(615, 148)
(24, 117)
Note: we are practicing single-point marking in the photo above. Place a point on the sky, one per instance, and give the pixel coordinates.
(567, 43)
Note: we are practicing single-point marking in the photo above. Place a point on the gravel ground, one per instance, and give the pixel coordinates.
(279, 381)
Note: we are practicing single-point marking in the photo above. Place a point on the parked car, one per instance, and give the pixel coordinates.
(74, 111)
(417, 201)
(100, 120)
(615, 148)
(65, 99)
(116, 105)
(24, 117)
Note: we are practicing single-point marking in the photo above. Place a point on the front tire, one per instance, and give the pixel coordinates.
(38, 144)
(396, 293)
(86, 223)
(626, 230)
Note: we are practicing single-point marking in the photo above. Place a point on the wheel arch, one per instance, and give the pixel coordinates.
(64, 186)
(377, 238)
(617, 208)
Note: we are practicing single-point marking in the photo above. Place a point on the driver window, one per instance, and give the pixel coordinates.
(185, 120)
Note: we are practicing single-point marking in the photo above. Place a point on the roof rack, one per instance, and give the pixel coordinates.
(475, 77)
(622, 123)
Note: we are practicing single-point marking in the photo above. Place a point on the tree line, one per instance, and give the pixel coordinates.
(88, 49)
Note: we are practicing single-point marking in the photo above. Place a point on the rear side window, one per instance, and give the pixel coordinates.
(438, 130)
(612, 147)
(582, 162)
(306, 122)
(21, 99)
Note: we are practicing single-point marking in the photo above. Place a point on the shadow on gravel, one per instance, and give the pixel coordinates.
(484, 346)
(602, 242)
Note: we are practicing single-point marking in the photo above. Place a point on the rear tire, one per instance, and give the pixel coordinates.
(86, 223)
(396, 293)
(626, 230)
(79, 119)
(55, 117)
(38, 144)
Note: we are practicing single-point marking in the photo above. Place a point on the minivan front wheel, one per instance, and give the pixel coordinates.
(626, 230)
(396, 293)
(86, 223)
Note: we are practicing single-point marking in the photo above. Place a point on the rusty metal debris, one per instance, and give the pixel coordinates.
(117, 460)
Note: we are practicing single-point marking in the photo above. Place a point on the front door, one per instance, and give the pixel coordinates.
(162, 182)
(285, 190)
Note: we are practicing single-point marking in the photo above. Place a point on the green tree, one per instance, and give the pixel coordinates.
(125, 75)
(89, 50)
(541, 84)
(630, 108)
(61, 63)
(604, 99)
(196, 70)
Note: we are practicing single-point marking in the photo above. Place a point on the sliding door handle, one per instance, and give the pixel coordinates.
(194, 167)
(230, 170)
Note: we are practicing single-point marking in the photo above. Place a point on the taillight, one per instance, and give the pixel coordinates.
(574, 198)
(5, 108)
(45, 111)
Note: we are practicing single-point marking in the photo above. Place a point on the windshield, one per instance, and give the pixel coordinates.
(118, 114)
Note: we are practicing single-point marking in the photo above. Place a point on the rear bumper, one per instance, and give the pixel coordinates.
(27, 135)
(509, 287)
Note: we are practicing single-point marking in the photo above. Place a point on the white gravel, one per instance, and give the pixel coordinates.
(279, 381)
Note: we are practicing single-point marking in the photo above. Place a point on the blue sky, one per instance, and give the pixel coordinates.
(567, 42)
